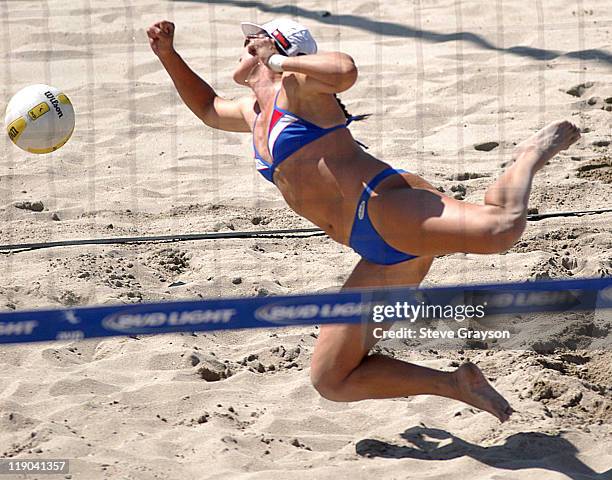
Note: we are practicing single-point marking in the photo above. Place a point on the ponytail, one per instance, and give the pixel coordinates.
(347, 115)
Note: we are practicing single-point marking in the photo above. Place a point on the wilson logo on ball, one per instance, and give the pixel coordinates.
(55, 104)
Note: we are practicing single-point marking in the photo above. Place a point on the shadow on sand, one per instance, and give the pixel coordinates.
(392, 29)
(520, 451)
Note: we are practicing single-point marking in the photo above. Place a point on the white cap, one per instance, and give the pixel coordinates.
(292, 37)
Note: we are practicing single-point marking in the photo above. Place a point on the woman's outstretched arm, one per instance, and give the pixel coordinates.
(214, 111)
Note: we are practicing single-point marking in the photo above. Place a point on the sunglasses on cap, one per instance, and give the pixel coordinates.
(278, 38)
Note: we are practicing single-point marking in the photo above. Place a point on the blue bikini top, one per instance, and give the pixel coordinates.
(288, 133)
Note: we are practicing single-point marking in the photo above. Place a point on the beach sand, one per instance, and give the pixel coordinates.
(440, 78)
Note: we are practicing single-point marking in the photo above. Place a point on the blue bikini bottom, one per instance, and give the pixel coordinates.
(365, 240)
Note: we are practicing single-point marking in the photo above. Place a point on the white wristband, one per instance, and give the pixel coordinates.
(275, 62)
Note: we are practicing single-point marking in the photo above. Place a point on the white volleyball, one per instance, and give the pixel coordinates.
(39, 119)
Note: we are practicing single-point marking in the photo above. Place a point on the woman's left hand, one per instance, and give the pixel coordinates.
(263, 48)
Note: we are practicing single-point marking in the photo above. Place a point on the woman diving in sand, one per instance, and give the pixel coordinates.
(396, 221)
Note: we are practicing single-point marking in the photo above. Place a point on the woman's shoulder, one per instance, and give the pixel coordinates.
(299, 87)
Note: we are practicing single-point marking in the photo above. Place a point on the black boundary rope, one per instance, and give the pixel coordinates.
(291, 233)
(296, 232)
(535, 217)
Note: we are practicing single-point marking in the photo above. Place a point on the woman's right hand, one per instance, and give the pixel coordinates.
(161, 38)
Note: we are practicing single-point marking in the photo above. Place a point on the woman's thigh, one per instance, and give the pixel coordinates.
(422, 221)
(340, 348)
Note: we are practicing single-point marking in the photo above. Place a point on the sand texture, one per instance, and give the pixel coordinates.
(441, 78)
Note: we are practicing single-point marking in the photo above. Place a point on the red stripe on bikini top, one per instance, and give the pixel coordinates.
(276, 116)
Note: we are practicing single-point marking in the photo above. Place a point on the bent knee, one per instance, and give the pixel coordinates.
(329, 384)
(503, 230)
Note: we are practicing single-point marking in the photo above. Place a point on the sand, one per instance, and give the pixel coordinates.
(440, 79)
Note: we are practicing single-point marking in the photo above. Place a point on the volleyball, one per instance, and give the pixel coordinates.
(39, 119)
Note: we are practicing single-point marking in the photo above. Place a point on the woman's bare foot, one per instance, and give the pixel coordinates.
(545, 144)
(473, 389)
